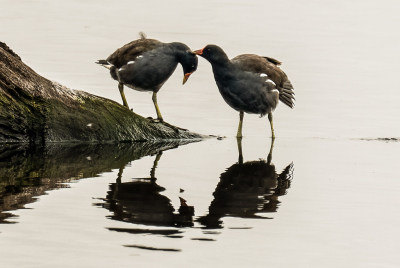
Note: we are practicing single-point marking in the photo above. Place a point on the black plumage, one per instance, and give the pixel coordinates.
(146, 64)
(249, 83)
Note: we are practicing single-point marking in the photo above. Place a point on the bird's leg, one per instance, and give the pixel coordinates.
(239, 133)
(159, 116)
(272, 124)
(118, 182)
(239, 144)
(269, 159)
(121, 90)
(119, 176)
(153, 169)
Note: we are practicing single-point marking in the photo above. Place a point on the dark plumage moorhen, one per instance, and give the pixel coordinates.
(249, 83)
(146, 64)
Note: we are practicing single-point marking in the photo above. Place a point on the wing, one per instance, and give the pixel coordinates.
(132, 50)
(269, 66)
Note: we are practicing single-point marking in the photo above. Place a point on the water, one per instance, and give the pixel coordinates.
(336, 206)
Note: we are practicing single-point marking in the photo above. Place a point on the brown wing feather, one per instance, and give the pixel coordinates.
(132, 50)
(257, 64)
(274, 61)
(269, 66)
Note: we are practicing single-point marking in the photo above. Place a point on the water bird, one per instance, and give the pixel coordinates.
(146, 64)
(249, 83)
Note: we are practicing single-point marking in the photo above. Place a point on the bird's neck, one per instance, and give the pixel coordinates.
(178, 50)
(223, 71)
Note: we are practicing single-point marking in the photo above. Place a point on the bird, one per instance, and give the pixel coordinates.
(146, 64)
(249, 83)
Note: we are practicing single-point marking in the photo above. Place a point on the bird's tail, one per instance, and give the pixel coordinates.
(105, 64)
(286, 94)
(142, 35)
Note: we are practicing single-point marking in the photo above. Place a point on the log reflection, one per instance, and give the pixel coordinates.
(27, 172)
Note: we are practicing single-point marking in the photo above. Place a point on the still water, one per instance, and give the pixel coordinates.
(326, 196)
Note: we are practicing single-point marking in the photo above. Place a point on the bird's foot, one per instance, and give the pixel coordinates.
(159, 120)
(153, 120)
(177, 129)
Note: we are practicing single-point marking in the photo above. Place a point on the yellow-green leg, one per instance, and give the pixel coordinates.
(159, 116)
(239, 144)
(269, 159)
(153, 169)
(239, 133)
(121, 90)
(272, 125)
(118, 182)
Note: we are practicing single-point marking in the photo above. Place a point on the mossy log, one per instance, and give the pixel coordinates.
(34, 109)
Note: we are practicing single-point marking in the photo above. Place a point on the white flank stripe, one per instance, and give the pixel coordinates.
(270, 81)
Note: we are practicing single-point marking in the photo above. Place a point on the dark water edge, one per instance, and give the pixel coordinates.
(382, 139)
(27, 172)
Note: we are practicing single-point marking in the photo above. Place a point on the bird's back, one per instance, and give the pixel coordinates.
(257, 64)
(270, 67)
(142, 64)
(132, 50)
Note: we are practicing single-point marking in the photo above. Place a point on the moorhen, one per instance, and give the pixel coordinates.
(249, 83)
(146, 64)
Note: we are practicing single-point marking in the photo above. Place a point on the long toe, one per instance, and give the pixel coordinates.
(160, 121)
(155, 120)
(177, 129)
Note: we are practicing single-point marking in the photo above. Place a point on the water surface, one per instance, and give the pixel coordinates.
(327, 198)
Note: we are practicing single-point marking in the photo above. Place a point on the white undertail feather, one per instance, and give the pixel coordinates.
(105, 64)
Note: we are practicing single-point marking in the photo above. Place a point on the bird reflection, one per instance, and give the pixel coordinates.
(140, 201)
(247, 189)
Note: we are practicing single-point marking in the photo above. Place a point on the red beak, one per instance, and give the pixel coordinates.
(186, 77)
(199, 52)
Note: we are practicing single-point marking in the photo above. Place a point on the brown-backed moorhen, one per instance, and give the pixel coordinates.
(249, 83)
(146, 64)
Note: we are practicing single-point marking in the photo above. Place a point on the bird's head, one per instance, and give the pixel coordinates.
(213, 53)
(186, 57)
(189, 63)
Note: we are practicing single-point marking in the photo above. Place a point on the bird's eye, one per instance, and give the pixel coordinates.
(192, 65)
